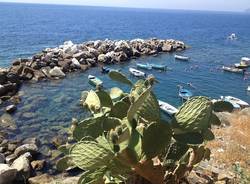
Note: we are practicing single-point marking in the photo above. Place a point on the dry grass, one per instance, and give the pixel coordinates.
(232, 143)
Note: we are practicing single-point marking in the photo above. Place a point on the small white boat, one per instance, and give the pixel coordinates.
(182, 58)
(248, 88)
(95, 81)
(137, 73)
(169, 109)
(232, 69)
(185, 94)
(235, 101)
(232, 37)
(246, 60)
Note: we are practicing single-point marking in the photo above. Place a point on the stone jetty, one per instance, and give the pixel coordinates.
(56, 63)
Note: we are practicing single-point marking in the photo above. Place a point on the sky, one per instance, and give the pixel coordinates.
(214, 5)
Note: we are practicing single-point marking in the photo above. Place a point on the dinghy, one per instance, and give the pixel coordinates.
(105, 69)
(184, 93)
(94, 81)
(137, 73)
(144, 66)
(167, 108)
(246, 60)
(232, 69)
(241, 65)
(248, 88)
(235, 101)
(182, 58)
(159, 67)
(232, 37)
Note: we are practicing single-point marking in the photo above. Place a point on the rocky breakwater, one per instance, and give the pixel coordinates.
(55, 63)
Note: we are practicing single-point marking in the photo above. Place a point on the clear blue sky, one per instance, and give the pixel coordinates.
(224, 5)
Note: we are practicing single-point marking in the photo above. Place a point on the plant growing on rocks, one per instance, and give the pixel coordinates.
(127, 136)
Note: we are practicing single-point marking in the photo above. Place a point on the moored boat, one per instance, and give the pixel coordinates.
(232, 69)
(248, 88)
(95, 81)
(241, 65)
(235, 101)
(232, 37)
(246, 60)
(159, 66)
(144, 66)
(137, 73)
(167, 108)
(184, 93)
(182, 58)
(105, 69)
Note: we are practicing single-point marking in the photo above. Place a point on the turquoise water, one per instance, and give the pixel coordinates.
(47, 106)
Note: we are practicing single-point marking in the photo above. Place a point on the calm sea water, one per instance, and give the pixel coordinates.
(47, 106)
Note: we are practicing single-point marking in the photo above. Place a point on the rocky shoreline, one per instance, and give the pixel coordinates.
(56, 63)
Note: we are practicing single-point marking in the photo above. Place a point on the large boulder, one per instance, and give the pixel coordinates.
(3, 78)
(56, 72)
(32, 148)
(102, 58)
(76, 63)
(167, 47)
(23, 167)
(7, 174)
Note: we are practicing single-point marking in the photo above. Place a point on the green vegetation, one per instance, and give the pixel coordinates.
(126, 136)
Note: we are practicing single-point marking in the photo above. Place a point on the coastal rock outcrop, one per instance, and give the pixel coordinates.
(55, 63)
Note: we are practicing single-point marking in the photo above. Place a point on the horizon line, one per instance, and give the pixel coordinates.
(123, 7)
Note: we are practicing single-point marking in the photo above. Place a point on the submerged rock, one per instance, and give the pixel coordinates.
(6, 121)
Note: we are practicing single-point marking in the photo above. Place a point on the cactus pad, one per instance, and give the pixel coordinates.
(119, 77)
(90, 155)
(194, 115)
(156, 138)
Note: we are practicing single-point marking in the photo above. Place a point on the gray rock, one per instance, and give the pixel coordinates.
(12, 147)
(76, 63)
(42, 179)
(2, 149)
(2, 158)
(32, 148)
(32, 140)
(7, 174)
(10, 158)
(22, 165)
(56, 72)
(10, 109)
(38, 164)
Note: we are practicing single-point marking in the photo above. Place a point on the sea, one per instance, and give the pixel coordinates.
(47, 108)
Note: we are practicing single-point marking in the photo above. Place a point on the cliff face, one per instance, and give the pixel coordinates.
(230, 152)
(232, 144)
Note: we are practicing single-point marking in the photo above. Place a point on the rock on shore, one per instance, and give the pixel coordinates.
(55, 63)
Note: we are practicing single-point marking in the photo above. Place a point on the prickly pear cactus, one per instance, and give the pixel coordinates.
(90, 155)
(220, 106)
(194, 115)
(126, 135)
(116, 94)
(92, 101)
(119, 77)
